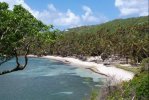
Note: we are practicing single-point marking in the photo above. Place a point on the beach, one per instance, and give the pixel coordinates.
(112, 72)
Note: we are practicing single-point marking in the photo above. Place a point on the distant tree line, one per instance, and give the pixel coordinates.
(127, 38)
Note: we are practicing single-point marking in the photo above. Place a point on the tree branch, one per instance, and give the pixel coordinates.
(18, 67)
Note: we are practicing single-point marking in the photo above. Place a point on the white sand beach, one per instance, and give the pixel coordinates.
(112, 72)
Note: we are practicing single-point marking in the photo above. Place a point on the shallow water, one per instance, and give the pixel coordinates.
(45, 79)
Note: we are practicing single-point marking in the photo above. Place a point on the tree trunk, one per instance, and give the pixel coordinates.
(18, 67)
(126, 59)
(17, 60)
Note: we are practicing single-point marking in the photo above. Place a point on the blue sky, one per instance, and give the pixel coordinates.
(65, 14)
(105, 7)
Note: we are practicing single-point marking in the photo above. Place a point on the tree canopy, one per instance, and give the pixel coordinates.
(20, 32)
(124, 37)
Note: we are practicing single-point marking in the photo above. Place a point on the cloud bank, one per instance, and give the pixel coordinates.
(67, 19)
(132, 7)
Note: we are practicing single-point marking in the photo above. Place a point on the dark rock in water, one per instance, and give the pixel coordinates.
(106, 63)
(67, 62)
(81, 57)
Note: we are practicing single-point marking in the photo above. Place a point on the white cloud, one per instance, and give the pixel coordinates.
(20, 2)
(88, 16)
(67, 19)
(132, 7)
(51, 7)
(52, 15)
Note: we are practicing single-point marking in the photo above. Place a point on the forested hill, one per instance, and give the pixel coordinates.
(112, 25)
(125, 37)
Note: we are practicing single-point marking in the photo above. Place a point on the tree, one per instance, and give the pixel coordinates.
(18, 32)
(125, 38)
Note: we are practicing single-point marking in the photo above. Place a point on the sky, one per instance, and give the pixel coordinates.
(64, 14)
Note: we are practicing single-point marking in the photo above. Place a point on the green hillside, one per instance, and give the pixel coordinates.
(112, 25)
(124, 37)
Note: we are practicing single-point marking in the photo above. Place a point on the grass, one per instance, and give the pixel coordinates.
(135, 70)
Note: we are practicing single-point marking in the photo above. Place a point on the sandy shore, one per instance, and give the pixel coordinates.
(112, 72)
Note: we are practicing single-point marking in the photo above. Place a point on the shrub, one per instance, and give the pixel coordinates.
(142, 88)
(145, 64)
(137, 88)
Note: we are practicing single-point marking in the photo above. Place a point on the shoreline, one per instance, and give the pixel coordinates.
(111, 71)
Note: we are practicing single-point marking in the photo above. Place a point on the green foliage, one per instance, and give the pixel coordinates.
(94, 95)
(145, 64)
(137, 88)
(19, 28)
(142, 89)
(124, 37)
(21, 32)
(15, 27)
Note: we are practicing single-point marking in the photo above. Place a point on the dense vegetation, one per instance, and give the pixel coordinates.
(124, 37)
(135, 89)
(20, 34)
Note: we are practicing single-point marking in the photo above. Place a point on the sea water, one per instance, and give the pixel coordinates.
(45, 79)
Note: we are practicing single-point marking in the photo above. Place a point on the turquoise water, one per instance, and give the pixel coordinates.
(45, 79)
